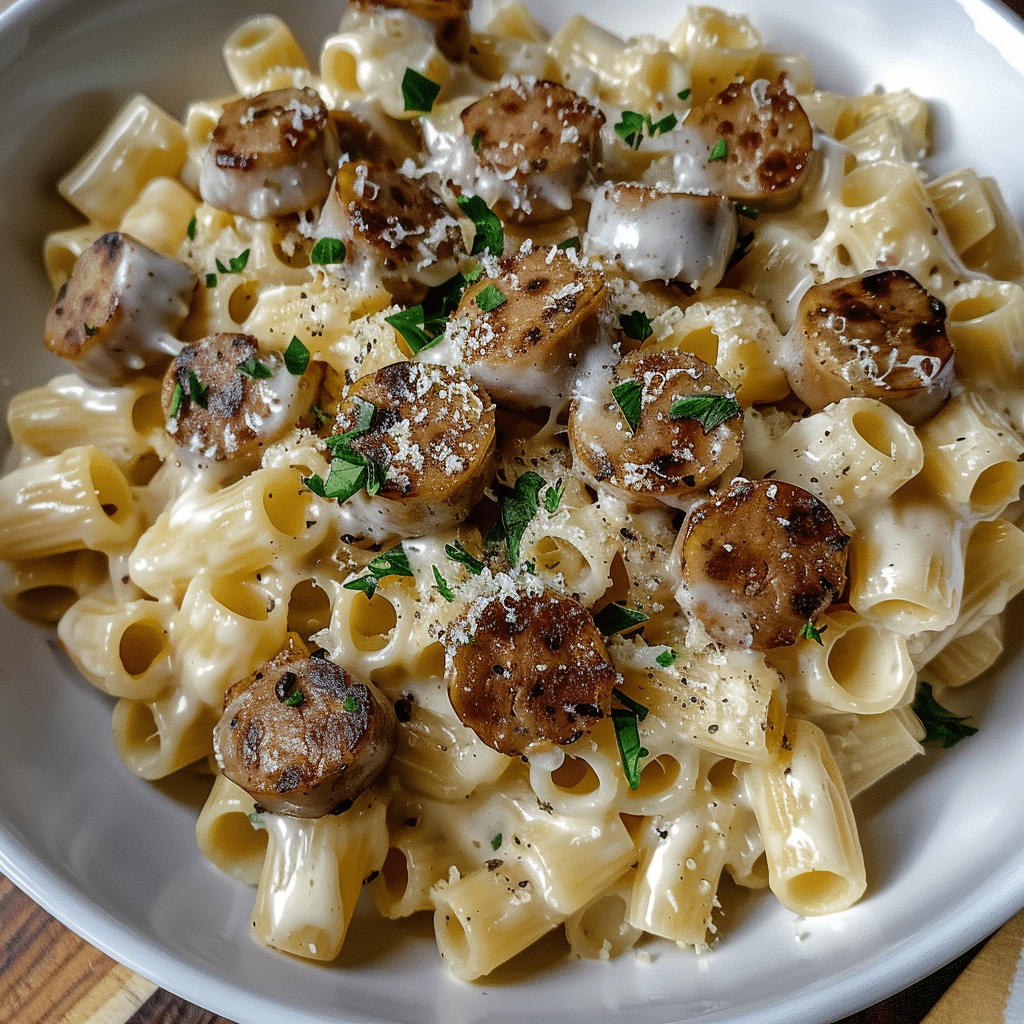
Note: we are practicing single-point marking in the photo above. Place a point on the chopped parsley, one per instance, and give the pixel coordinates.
(252, 367)
(442, 585)
(191, 229)
(418, 91)
(553, 495)
(636, 325)
(709, 410)
(667, 658)
(349, 704)
(295, 699)
(617, 618)
(629, 397)
(490, 234)
(418, 330)
(328, 251)
(626, 721)
(718, 151)
(211, 280)
(296, 357)
(177, 397)
(570, 243)
(517, 506)
(750, 212)
(476, 141)
(811, 632)
(197, 389)
(496, 841)
(684, 94)
(350, 470)
(490, 297)
(940, 724)
(457, 553)
(631, 128)
(393, 562)
(235, 265)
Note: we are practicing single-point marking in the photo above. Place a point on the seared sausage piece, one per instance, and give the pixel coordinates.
(762, 136)
(536, 143)
(878, 335)
(433, 435)
(523, 333)
(301, 737)
(527, 672)
(217, 411)
(665, 458)
(663, 236)
(758, 562)
(395, 228)
(116, 316)
(271, 154)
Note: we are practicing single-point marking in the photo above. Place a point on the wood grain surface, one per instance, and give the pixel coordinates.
(48, 975)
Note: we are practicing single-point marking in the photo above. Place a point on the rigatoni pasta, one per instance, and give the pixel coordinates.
(469, 571)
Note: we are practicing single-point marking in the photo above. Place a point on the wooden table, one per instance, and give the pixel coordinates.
(48, 975)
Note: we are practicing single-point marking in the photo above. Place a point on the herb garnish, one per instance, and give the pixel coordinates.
(631, 128)
(490, 235)
(553, 495)
(940, 724)
(709, 410)
(177, 397)
(629, 397)
(350, 470)
(197, 389)
(667, 658)
(252, 367)
(327, 251)
(636, 325)
(718, 151)
(490, 297)
(235, 265)
(418, 91)
(616, 618)
(393, 562)
(191, 229)
(626, 721)
(442, 585)
(811, 632)
(296, 357)
(518, 505)
(457, 553)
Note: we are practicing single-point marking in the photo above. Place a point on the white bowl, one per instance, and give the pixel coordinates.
(115, 858)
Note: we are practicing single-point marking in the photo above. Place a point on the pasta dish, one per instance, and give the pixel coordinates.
(536, 475)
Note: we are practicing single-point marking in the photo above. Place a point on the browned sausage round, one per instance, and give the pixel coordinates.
(218, 412)
(115, 317)
(877, 335)
(758, 562)
(270, 154)
(665, 458)
(301, 737)
(529, 671)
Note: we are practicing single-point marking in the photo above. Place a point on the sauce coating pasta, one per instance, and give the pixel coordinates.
(449, 405)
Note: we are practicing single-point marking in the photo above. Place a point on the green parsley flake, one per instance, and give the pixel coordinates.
(442, 585)
(709, 410)
(553, 495)
(570, 243)
(667, 658)
(631, 751)
(296, 357)
(490, 298)
(350, 704)
(211, 280)
(252, 367)
(328, 251)
(457, 553)
(235, 265)
(177, 397)
(418, 91)
(295, 699)
(636, 325)
(631, 128)
(350, 470)
(940, 724)
(616, 618)
(490, 234)
(518, 505)
(684, 95)
(496, 841)
(393, 562)
(811, 632)
(718, 151)
(629, 396)
(191, 230)
(197, 389)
